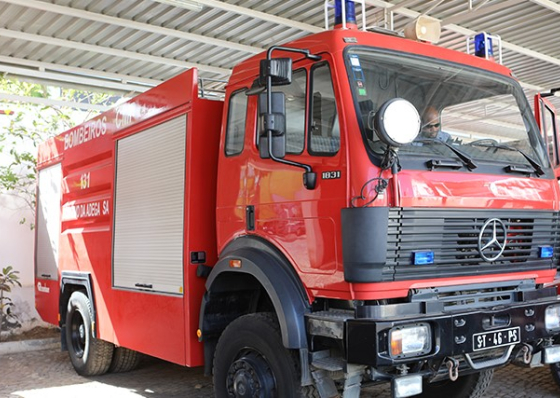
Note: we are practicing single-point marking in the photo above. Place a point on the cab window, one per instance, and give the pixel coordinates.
(237, 117)
(549, 131)
(295, 93)
(324, 132)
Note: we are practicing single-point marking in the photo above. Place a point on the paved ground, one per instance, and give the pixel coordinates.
(49, 374)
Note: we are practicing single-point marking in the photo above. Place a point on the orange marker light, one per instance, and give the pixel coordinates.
(396, 343)
(235, 263)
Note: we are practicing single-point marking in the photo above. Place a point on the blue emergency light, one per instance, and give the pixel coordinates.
(546, 251)
(482, 42)
(422, 257)
(350, 12)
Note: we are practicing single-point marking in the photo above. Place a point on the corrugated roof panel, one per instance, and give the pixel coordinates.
(163, 72)
(17, 18)
(524, 24)
(86, 60)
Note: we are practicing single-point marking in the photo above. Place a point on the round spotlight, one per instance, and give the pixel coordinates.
(397, 122)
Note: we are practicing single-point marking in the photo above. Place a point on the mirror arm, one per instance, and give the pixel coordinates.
(309, 177)
(269, 78)
(292, 50)
(306, 167)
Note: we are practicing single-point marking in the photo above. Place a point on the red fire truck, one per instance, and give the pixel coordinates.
(315, 231)
(545, 114)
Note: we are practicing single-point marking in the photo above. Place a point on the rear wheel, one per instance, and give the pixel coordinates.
(124, 360)
(469, 386)
(89, 356)
(251, 361)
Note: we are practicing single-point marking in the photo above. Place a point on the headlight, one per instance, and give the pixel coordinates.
(552, 317)
(397, 122)
(410, 340)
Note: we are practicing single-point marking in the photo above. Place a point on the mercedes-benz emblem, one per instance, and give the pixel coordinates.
(492, 239)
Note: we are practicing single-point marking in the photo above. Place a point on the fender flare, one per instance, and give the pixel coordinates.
(277, 277)
(82, 279)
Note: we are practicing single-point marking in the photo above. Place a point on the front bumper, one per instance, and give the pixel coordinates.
(469, 334)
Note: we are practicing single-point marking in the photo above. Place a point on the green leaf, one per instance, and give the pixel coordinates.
(6, 288)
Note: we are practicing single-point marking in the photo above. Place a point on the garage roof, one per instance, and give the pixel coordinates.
(131, 45)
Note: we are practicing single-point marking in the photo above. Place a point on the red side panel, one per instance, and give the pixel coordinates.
(50, 151)
(46, 299)
(161, 325)
(200, 213)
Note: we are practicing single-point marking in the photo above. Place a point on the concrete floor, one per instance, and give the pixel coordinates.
(49, 374)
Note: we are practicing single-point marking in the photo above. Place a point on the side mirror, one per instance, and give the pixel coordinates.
(272, 110)
(397, 122)
(274, 122)
(278, 69)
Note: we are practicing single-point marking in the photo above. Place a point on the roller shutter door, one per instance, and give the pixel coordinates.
(149, 209)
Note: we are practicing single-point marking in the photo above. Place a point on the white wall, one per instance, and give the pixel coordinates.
(17, 250)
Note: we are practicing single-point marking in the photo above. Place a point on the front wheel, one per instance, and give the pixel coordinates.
(470, 386)
(89, 356)
(251, 361)
(555, 370)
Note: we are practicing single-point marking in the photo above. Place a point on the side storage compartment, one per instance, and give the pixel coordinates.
(47, 242)
(148, 240)
(149, 202)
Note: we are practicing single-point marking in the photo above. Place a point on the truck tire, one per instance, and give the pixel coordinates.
(469, 386)
(124, 360)
(251, 361)
(89, 356)
(555, 370)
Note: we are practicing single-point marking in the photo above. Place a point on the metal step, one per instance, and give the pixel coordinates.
(329, 364)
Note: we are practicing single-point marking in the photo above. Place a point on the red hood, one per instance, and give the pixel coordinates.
(454, 190)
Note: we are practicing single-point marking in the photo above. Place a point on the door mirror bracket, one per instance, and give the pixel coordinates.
(278, 72)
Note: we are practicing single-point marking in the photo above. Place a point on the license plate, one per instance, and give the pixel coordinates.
(497, 338)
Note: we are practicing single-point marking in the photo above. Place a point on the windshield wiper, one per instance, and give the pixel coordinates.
(467, 161)
(536, 166)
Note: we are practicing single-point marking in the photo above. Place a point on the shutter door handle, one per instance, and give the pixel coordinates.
(144, 285)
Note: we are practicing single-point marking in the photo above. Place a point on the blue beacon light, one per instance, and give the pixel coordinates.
(482, 43)
(350, 12)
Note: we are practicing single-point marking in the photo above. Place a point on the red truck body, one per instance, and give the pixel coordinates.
(87, 155)
(164, 266)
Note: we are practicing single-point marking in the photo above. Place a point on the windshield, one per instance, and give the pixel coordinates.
(484, 116)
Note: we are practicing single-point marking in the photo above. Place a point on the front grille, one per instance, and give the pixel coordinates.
(453, 236)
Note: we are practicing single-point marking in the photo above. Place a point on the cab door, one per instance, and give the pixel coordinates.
(303, 222)
(545, 113)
